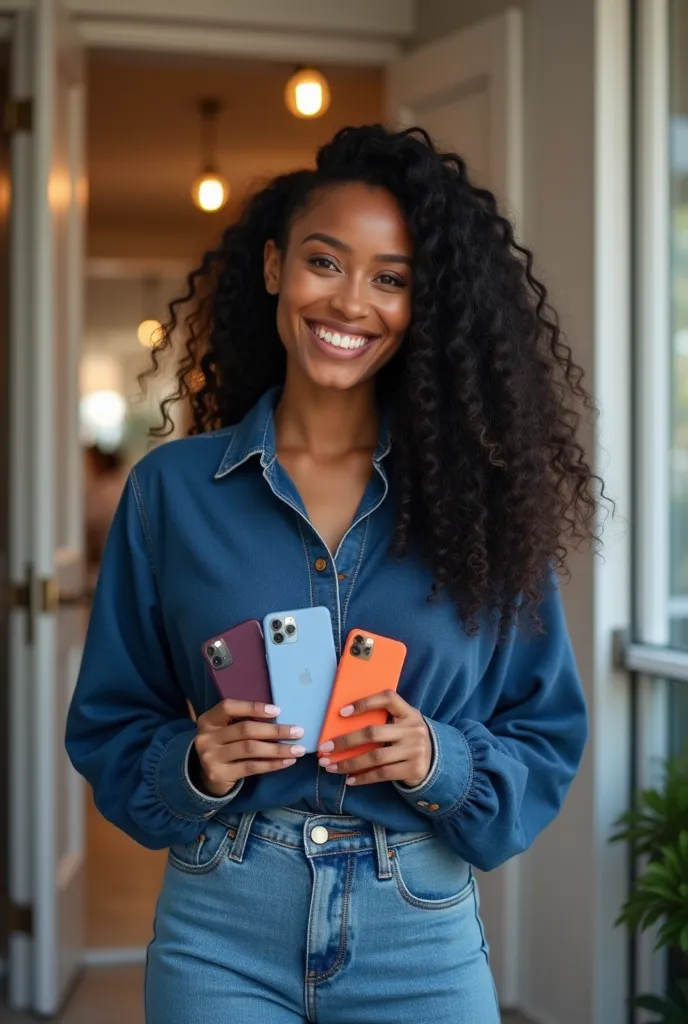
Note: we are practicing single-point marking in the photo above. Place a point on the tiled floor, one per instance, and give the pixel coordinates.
(113, 996)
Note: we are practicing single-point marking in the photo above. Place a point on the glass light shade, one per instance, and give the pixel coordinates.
(210, 192)
(307, 94)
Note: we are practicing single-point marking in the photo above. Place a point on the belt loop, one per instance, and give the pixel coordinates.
(384, 869)
(239, 844)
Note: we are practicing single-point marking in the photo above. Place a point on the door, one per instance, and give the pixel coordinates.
(47, 619)
(467, 91)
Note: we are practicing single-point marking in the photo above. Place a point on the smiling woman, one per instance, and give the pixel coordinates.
(399, 424)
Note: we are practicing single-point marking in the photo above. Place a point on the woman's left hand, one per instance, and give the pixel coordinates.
(406, 754)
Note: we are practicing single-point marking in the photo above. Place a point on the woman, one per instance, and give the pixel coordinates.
(396, 442)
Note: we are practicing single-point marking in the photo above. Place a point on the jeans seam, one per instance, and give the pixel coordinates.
(446, 904)
(344, 927)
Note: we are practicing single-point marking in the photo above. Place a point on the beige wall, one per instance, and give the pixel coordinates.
(436, 18)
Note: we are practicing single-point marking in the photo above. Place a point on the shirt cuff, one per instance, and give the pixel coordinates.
(451, 773)
(176, 789)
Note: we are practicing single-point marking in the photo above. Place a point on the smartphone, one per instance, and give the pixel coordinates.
(302, 662)
(368, 665)
(236, 659)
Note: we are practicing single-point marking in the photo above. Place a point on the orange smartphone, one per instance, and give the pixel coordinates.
(368, 665)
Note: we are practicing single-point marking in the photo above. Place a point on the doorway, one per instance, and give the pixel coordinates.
(144, 138)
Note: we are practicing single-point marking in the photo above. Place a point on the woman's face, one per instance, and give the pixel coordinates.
(344, 285)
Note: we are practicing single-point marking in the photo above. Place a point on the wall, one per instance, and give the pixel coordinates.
(571, 959)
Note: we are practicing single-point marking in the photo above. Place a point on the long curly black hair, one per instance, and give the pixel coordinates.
(492, 484)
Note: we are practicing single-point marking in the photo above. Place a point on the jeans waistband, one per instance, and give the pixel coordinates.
(317, 835)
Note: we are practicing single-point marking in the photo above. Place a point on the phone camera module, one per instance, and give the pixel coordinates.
(210, 651)
(355, 650)
(217, 661)
(276, 625)
(290, 629)
(278, 638)
(358, 639)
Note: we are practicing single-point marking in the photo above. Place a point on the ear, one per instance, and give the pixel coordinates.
(272, 267)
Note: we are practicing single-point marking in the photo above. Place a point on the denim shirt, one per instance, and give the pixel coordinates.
(210, 532)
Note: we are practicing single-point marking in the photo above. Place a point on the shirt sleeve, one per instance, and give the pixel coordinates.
(129, 731)
(494, 786)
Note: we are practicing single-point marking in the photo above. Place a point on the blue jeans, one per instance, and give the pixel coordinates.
(286, 917)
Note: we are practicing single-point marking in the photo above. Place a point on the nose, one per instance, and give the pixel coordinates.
(350, 299)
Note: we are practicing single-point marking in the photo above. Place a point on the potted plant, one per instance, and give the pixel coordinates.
(657, 829)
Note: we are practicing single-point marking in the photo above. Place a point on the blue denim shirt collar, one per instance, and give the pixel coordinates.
(255, 435)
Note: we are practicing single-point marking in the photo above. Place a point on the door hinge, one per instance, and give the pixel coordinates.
(20, 918)
(17, 116)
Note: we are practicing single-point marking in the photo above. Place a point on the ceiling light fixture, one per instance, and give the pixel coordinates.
(150, 331)
(307, 94)
(210, 191)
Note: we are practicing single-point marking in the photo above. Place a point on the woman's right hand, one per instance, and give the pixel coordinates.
(237, 738)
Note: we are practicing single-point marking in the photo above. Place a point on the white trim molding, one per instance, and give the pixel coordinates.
(391, 19)
(198, 37)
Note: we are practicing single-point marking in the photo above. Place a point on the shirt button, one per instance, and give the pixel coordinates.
(320, 564)
(434, 807)
(341, 577)
(320, 835)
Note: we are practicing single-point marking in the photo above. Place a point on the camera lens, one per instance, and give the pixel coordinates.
(278, 638)
(290, 630)
(355, 650)
(358, 639)
(217, 662)
(210, 651)
(276, 624)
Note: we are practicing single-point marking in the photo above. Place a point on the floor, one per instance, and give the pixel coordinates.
(113, 996)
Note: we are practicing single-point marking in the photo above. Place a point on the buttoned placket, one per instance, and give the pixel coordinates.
(332, 577)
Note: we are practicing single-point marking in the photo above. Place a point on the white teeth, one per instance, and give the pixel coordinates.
(339, 340)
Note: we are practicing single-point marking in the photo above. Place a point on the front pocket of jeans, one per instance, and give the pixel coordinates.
(430, 876)
(204, 854)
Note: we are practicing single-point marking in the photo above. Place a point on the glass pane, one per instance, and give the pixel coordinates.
(678, 604)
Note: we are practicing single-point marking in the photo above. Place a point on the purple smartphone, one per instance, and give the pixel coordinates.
(236, 660)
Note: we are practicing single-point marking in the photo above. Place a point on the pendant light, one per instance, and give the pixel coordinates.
(210, 191)
(307, 94)
(150, 332)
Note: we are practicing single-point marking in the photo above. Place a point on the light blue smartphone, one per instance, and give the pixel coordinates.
(302, 662)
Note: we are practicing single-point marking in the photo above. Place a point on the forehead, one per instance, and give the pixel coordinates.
(360, 215)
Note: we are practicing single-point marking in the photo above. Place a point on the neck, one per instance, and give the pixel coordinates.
(326, 422)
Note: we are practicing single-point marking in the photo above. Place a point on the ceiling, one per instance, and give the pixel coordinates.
(144, 142)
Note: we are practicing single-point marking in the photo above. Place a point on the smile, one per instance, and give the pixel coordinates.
(337, 340)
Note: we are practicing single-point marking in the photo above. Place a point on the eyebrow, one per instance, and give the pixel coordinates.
(336, 243)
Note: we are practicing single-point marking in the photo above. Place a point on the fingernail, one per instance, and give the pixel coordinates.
(332, 768)
(298, 751)
(323, 762)
(296, 731)
(327, 747)
(270, 709)
(348, 710)
(289, 761)
(351, 781)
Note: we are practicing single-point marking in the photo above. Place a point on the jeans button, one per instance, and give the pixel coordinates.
(320, 835)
